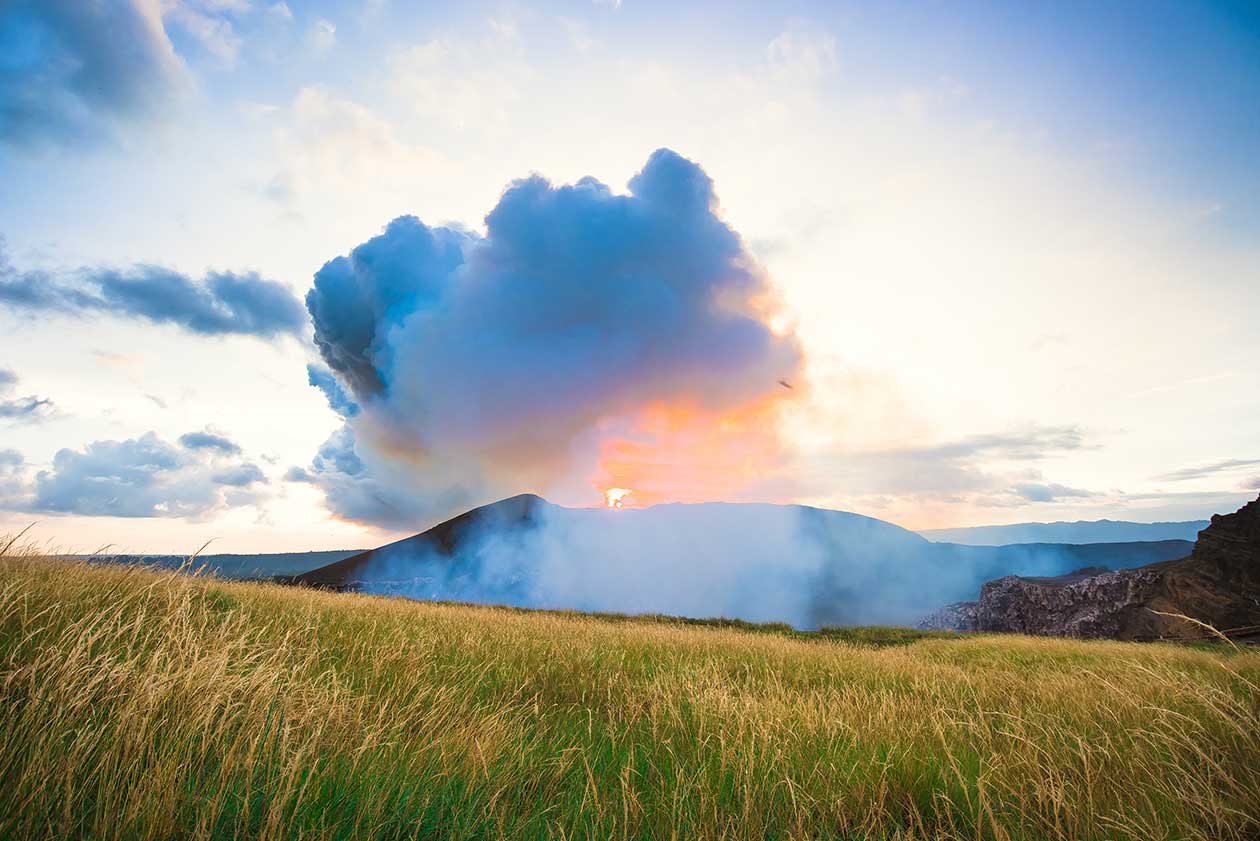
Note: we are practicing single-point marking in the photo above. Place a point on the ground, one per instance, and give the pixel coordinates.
(142, 704)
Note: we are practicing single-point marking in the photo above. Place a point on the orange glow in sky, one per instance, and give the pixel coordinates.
(685, 454)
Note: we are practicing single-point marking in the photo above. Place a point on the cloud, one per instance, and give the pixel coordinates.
(1250, 484)
(322, 36)
(239, 476)
(72, 69)
(579, 36)
(29, 409)
(209, 441)
(340, 402)
(473, 86)
(1046, 340)
(1164, 506)
(1047, 492)
(137, 477)
(222, 303)
(990, 469)
(801, 55)
(383, 495)
(358, 299)
(487, 365)
(335, 144)
(1206, 470)
(1030, 444)
(12, 480)
(209, 21)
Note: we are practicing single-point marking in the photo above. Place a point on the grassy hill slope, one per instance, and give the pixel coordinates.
(142, 704)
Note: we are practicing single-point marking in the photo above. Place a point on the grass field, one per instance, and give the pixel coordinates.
(143, 704)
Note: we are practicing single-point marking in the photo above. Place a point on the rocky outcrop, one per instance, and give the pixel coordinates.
(959, 616)
(1218, 584)
(1109, 604)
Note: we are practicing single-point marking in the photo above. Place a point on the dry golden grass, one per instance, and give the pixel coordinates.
(148, 705)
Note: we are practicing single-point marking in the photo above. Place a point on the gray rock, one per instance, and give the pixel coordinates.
(959, 616)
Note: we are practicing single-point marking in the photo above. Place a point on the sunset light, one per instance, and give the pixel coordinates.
(601, 419)
(616, 497)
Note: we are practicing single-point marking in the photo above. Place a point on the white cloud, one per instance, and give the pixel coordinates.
(322, 36)
(139, 477)
(208, 21)
(471, 84)
(577, 33)
(801, 54)
(331, 143)
(1208, 470)
(29, 409)
(220, 6)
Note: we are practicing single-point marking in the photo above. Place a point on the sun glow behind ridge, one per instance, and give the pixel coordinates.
(617, 497)
(684, 453)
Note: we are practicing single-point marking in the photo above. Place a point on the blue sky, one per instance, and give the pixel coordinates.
(1016, 247)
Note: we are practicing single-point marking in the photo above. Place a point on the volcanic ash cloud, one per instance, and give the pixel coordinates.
(478, 366)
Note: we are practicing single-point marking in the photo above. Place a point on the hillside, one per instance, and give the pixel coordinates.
(146, 705)
(764, 563)
(1217, 584)
(263, 565)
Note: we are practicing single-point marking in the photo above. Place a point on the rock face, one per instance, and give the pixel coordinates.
(959, 616)
(1109, 604)
(1217, 584)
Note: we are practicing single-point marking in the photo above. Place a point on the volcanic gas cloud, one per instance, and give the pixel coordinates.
(588, 341)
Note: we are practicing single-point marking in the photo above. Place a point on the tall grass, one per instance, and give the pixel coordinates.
(147, 705)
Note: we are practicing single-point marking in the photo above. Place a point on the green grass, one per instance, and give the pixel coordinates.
(872, 635)
(142, 704)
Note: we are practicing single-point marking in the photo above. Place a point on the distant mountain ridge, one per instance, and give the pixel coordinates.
(236, 565)
(1081, 531)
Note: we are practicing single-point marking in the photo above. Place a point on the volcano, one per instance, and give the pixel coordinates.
(759, 562)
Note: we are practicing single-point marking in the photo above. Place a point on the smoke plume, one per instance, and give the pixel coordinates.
(784, 563)
(588, 339)
(588, 345)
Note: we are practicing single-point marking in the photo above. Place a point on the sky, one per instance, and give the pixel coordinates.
(944, 264)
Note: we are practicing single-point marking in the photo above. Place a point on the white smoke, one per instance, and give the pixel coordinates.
(760, 563)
